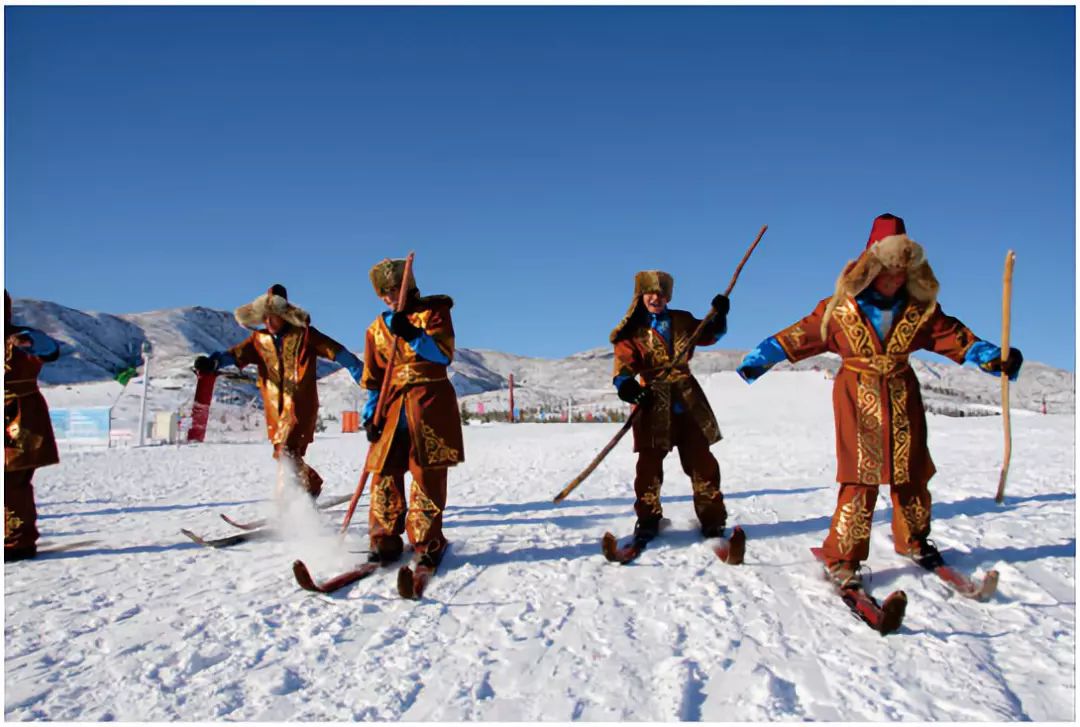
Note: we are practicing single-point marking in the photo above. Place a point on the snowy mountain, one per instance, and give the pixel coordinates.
(96, 346)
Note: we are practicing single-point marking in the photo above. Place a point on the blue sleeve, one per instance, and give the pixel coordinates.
(618, 380)
(346, 358)
(369, 406)
(767, 354)
(982, 354)
(222, 359)
(41, 344)
(426, 348)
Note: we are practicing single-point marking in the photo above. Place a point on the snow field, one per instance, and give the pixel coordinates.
(526, 620)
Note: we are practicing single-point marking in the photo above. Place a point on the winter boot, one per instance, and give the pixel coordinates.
(926, 554)
(844, 573)
(646, 530)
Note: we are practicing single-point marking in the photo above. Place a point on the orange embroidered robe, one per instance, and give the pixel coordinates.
(28, 435)
(878, 408)
(419, 388)
(287, 380)
(644, 353)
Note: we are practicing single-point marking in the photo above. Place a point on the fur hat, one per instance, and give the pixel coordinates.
(386, 276)
(274, 302)
(647, 281)
(888, 248)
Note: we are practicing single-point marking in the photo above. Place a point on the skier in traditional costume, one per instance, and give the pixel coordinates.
(675, 411)
(883, 309)
(421, 431)
(28, 436)
(285, 353)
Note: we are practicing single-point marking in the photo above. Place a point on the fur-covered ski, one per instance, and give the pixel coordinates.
(256, 524)
(965, 585)
(305, 581)
(244, 537)
(622, 554)
(47, 548)
(884, 617)
(412, 581)
(731, 550)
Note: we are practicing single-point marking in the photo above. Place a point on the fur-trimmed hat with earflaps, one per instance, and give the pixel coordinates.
(889, 248)
(274, 302)
(386, 276)
(647, 281)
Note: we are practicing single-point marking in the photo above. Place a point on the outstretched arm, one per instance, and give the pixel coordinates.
(796, 342)
(952, 339)
(38, 344)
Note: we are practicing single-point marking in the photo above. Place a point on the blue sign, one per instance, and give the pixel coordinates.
(81, 425)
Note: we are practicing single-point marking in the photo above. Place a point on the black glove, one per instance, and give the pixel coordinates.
(721, 305)
(400, 327)
(205, 365)
(632, 392)
(373, 432)
(1012, 365)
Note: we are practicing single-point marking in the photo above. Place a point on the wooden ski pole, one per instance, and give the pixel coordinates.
(675, 362)
(1006, 316)
(384, 393)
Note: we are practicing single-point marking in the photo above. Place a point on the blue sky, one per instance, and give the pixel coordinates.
(535, 158)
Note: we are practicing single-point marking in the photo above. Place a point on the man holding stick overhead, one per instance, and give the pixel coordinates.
(883, 309)
(421, 430)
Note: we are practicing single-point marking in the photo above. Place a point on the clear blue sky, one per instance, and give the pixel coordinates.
(535, 158)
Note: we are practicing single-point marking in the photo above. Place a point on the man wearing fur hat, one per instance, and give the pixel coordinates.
(675, 411)
(28, 436)
(422, 429)
(285, 353)
(884, 308)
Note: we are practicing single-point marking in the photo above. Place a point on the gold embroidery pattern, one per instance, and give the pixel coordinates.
(422, 513)
(853, 525)
(384, 505)
(11, 523)
(858, 334)
(660, 415)
(870, 438)
(904, 330)
(651, 498)
(436, 450)
(704, 489)
(654, 345)
(795, 334)
(917, 518)
(901, 430)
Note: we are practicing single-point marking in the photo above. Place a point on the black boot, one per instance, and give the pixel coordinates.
(646, 530)
(926, 554)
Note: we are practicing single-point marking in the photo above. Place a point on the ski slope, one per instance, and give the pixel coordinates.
(526, 620)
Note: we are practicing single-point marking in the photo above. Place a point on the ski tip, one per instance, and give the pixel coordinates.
(303, 576)
(405, 585)
(892, 612)
(988, 587)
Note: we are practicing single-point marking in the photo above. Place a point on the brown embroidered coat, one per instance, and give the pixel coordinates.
(287, 380)
(28, 435)
(419, 387)
(644, 353)
(878, 408)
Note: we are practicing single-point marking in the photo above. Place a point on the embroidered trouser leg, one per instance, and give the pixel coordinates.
(911, 515)
(20, 514)
(650, 476)
(427, 500)
(701, 467)
(386, 513)
(849, 532)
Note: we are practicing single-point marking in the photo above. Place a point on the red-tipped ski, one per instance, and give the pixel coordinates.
(256, 524)
(411, 584)
(621, 554)
(966, 586)
(885, 617)
(731, 550)
(305, 581)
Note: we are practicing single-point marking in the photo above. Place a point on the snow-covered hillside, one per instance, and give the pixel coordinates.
(96, 346)
(526, 621)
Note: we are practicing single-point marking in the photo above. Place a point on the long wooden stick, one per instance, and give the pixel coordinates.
(384, 393)
(1006, 317)
(675, 362)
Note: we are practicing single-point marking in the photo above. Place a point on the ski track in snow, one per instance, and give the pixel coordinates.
(526, 620)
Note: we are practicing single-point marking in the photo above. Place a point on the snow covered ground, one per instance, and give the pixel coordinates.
(526, 621)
